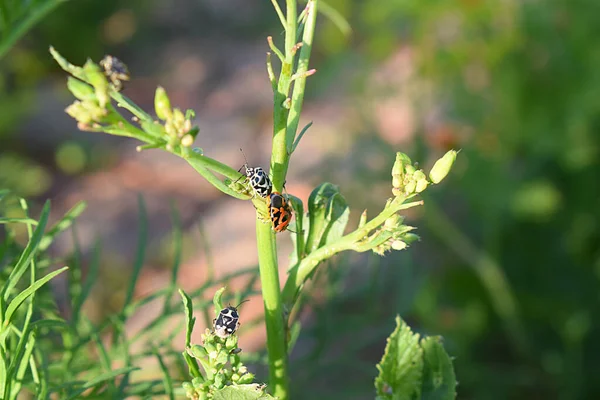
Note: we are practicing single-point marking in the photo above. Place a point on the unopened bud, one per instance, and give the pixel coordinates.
(399, 245)
(393, 221)
(162, 104)
(410, 187)
(401, 161)
(187, 141)
(363, 219)
(80, 90)
(410, 238)
(98, 80)
(442, 167)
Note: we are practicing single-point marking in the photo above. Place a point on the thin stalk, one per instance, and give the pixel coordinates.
(300, 82)
(276, 340)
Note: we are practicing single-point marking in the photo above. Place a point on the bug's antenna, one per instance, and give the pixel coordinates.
(244, 156)
(236, 307)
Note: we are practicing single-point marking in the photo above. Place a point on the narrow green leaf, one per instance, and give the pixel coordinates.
(177, 252)
(243, 392)
(3, 373)
(189, 317)
(439, 381)
(335, 17)
(140, 251)
(88, 284)
(21, 367)
(217, 301)
(27, 254)
(18, 221)
(401, 368)
(21, 297)
(300, 135)
(99, 379)
(65, 222)
(168, 382)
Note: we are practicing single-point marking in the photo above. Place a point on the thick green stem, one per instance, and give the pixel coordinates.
(284, 130)
(274, 321)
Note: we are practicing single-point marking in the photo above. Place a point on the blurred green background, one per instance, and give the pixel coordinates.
(509, 266)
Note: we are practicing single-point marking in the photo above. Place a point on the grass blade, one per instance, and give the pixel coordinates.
(99, 379)
(65, 222)
(140, 252)
(21, 297)
(28, 253)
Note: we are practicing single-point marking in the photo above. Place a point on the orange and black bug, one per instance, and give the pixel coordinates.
(280, 211)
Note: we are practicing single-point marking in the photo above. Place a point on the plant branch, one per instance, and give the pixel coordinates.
(300, 272)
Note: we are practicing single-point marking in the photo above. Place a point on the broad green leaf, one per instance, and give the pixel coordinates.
(401, 368)
(21, 297)
(242, 392)
(439, 381)
(317, 212)
(337, 219)
(27, 254)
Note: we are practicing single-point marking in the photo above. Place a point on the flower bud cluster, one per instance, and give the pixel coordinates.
(406, 178)
(222, 365)
(177, 125)
(398, 236)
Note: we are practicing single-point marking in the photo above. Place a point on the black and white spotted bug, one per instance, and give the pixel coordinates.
(258, 178)
(227, 322)
(115, 70)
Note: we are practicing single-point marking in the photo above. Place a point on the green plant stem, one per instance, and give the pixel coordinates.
(301, 271)
(282, 144)
(276, 340)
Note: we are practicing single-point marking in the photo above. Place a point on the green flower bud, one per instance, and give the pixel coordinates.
(197, 351)
(393, 221)
(246, 378)
(442, 167)
(363, 219)
(399, 245)
(162, 104)
(187, 141)
(397, 181)
(401, 161)
(421, 185)
(231, 342)
(410, 169)
(410, 187)
(410, 238)
(98, 80)
(178, 117)
(80, 90)
(79, 113)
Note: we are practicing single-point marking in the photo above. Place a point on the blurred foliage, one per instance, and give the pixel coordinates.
(516, 85)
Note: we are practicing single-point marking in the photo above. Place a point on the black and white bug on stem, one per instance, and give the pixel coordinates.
(228, 321)
(258, 178)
